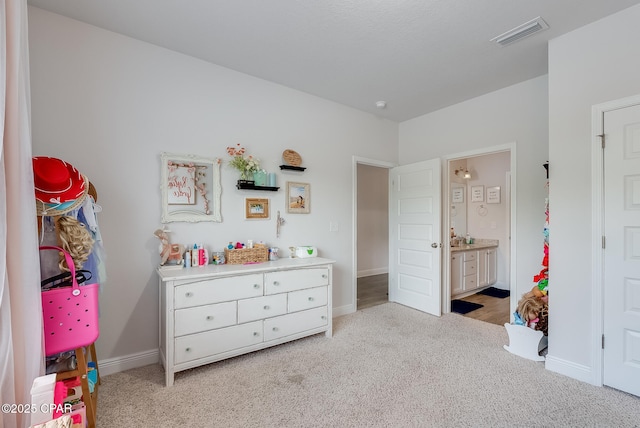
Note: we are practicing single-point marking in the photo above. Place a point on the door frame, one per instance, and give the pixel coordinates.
(446, 223)
(597, 211)
(355, 160)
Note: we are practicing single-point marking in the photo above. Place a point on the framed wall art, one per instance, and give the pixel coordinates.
(298, 198)
(493, 195)
(190, 187)
(255, 208)
(477, 193)
(457, 195)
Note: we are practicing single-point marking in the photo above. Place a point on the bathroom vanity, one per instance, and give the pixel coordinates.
(473, 266)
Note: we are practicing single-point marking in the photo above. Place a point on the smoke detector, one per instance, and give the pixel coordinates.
(521, 31)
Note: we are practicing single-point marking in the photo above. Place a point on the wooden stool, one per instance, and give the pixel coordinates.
(85, 355)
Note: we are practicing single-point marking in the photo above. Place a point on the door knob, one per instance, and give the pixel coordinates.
(434, 245)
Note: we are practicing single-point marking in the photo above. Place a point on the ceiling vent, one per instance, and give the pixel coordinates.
(521, 31)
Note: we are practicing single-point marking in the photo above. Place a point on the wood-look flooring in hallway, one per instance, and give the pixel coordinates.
(372, 291)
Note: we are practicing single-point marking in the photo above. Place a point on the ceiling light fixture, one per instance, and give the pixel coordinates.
(521, 31)
(381, 104)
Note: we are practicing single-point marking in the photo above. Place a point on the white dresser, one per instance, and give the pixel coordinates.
(214, 312)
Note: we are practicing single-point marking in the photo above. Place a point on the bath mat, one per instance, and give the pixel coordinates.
(462, 307)
(495, 292)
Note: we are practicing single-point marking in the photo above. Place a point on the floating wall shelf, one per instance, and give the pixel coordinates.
(293, 168)
(247, 186)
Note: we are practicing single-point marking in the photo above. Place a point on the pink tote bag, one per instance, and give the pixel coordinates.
(69, 314)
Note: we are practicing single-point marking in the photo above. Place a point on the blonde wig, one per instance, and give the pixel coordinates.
(75, 239)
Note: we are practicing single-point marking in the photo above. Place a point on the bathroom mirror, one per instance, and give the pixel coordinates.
(190, 187)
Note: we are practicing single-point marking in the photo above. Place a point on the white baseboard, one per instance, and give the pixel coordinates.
(371, 272)
(119, 364)
(576, 371)
(343, 310)
(501, 285)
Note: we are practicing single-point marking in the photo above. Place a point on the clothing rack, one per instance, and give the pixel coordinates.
(84, 356)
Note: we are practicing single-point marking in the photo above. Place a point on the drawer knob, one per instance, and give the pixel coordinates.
(188, 349)
(209, 317)
(188, 294)
(324, 275)
(255, 333)
(311, 299)
(256, 285)
(275, 328)
(276, 283)
(266, 307)
(323, 317)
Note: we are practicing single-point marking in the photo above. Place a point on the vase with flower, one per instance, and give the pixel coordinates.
(246, 165)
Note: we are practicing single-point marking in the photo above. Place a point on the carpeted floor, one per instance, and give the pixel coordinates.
(386, 366)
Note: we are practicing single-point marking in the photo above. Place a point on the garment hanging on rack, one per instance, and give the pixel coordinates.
(95, 262)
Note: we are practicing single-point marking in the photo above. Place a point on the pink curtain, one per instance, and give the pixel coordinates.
(21, 342)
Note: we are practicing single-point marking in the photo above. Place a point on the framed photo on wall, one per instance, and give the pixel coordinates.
(256, 208)
(298, 198)
(477, 193)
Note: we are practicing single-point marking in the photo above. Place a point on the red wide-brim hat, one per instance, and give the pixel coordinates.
(59, 186)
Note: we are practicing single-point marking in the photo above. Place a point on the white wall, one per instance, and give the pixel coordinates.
(518, 114)
(373, 220)
(109, 105)
(592, 65)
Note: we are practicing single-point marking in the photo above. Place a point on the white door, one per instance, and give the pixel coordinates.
(622, 250)
(414, 236)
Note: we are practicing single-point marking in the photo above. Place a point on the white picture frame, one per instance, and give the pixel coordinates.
(198, 196)
(493, 195)
(477, 193)
(457, 195)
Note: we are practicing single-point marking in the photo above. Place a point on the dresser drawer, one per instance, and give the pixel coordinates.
(217, 290)
(209, 343)
(280, 282)
(307, 299)
(202, 318)
(470, 255)
(261, 307)
(286, 325)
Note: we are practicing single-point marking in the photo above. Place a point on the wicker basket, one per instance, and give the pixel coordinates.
(291, 157)
(246, 255)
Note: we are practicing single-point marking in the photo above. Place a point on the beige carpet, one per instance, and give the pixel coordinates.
(386, 366)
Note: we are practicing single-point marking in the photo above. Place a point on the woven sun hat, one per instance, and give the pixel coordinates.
(59, 186)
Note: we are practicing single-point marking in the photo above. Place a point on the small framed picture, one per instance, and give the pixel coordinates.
(255, 208)
(477, 193)
(493, 195)
(457, 195)
(298, 198)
